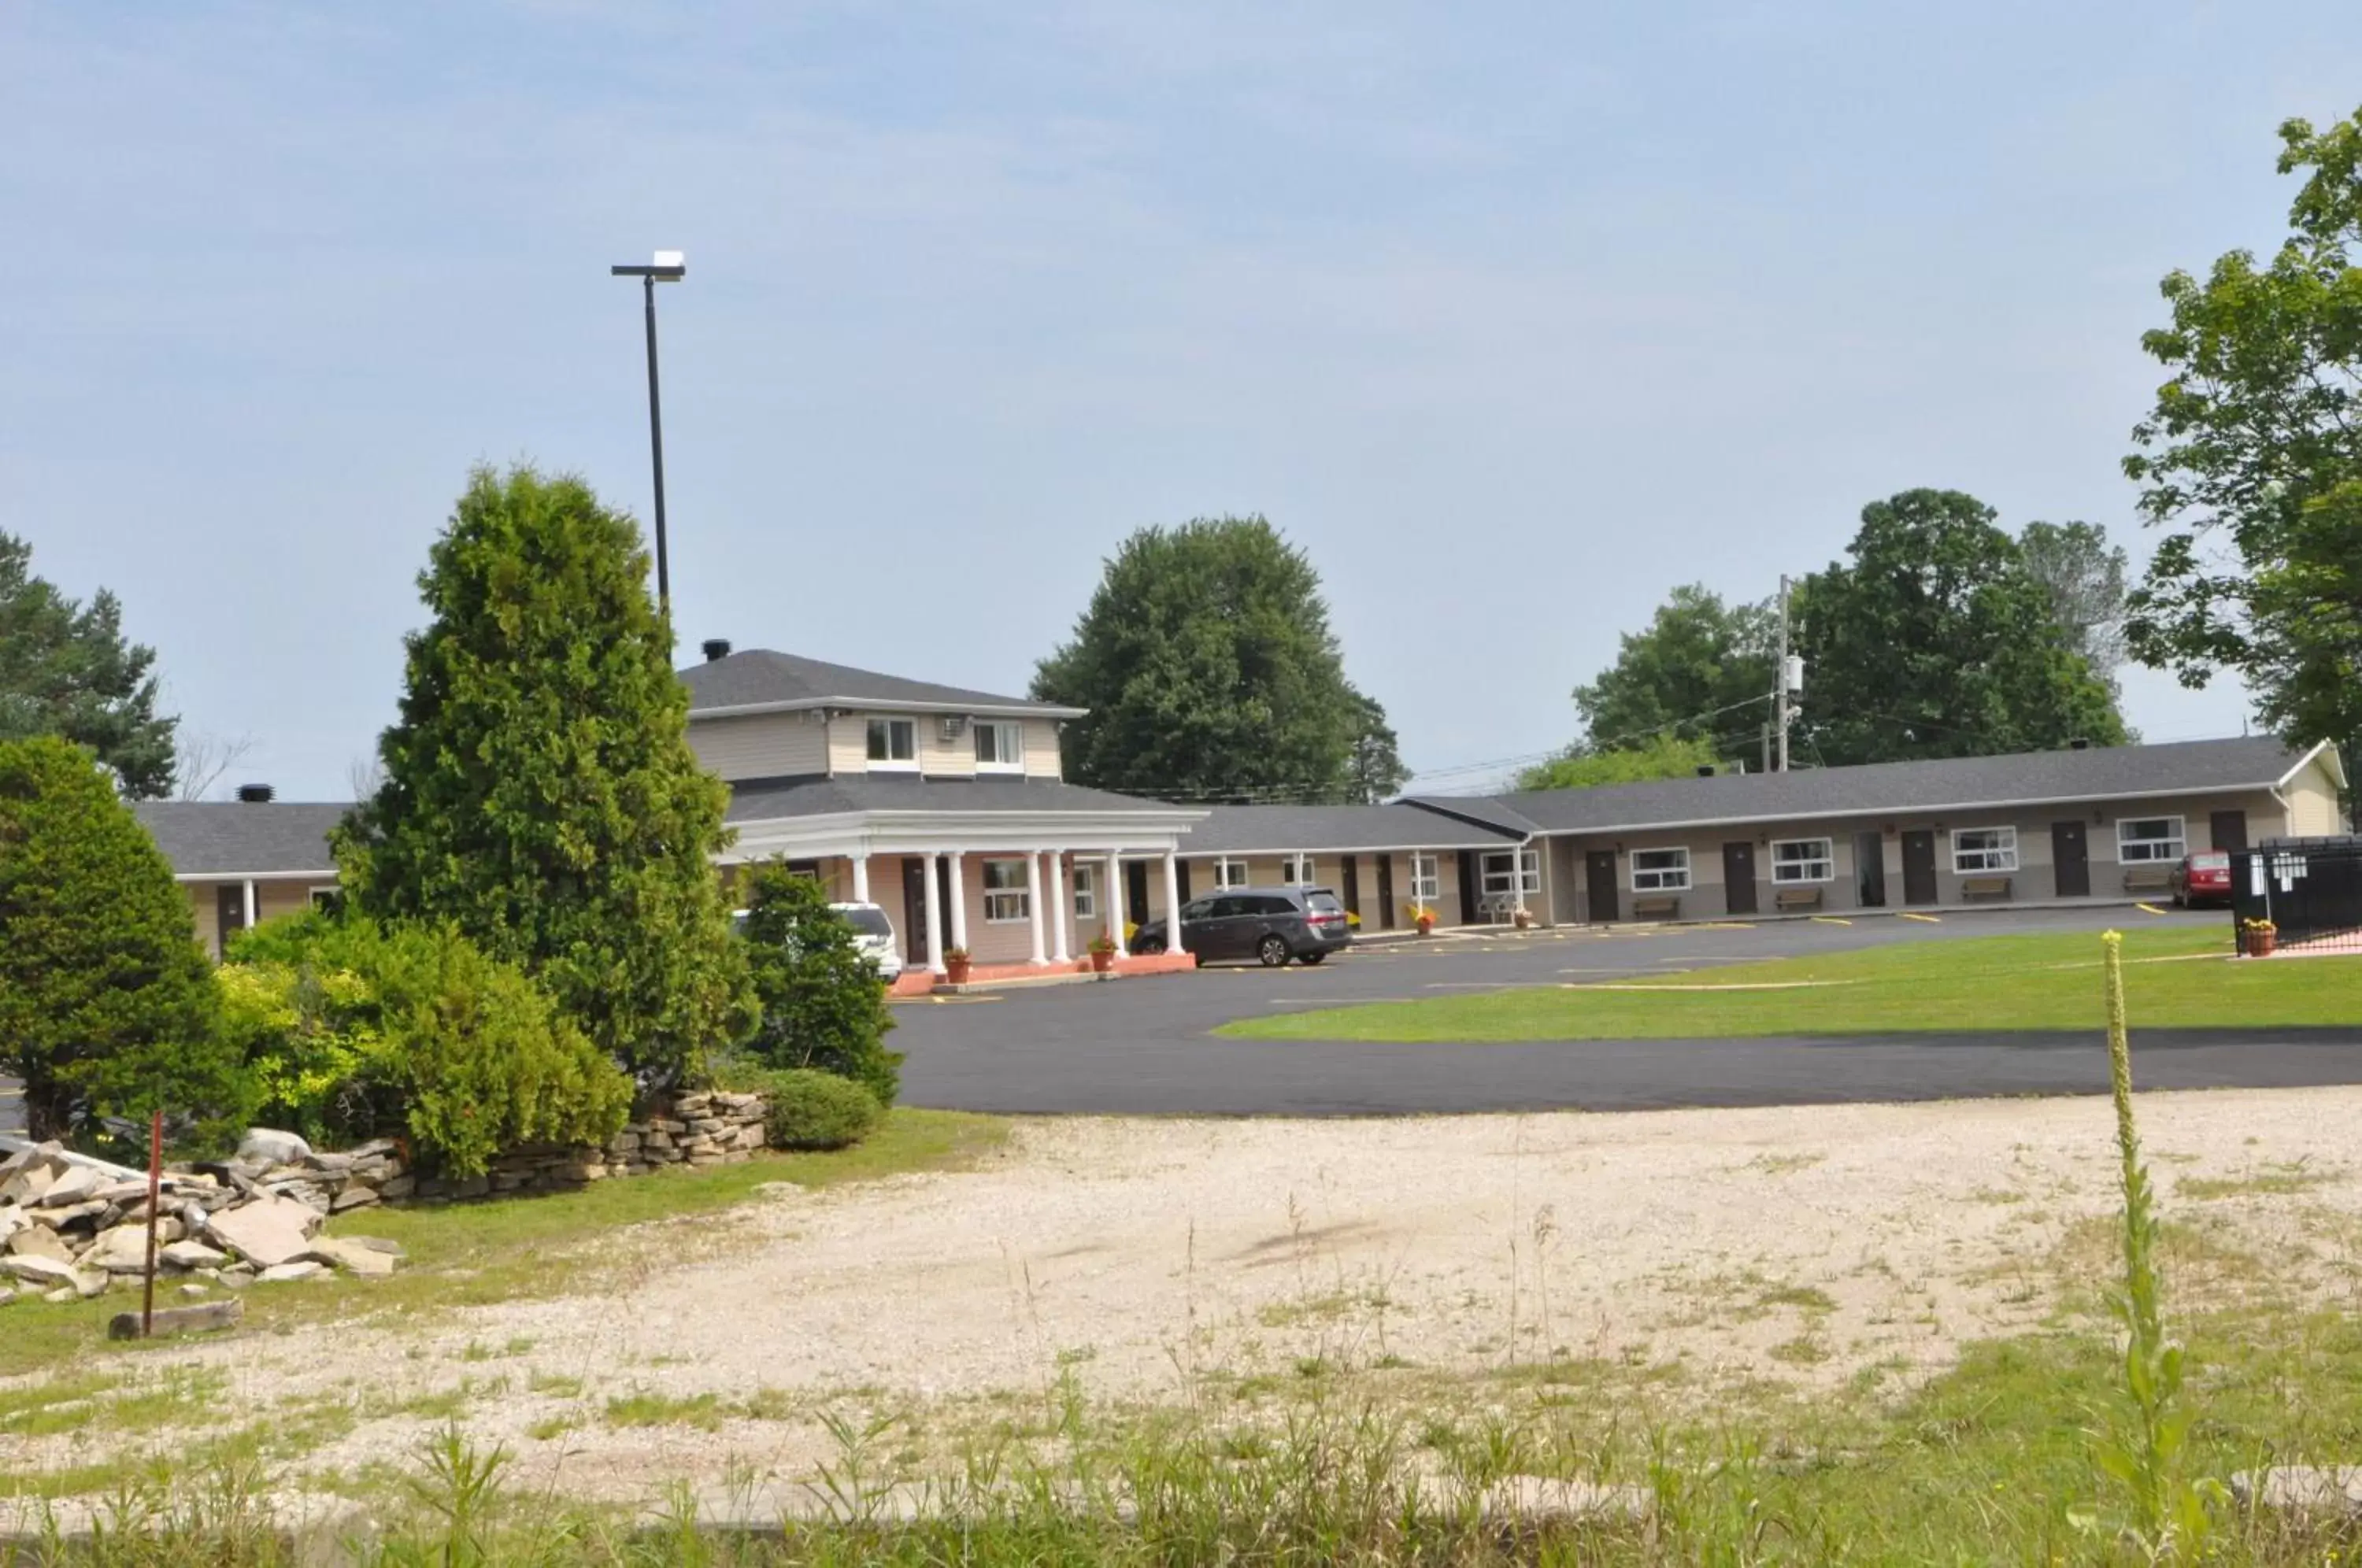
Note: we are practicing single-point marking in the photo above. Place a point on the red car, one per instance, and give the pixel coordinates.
(2203, 878)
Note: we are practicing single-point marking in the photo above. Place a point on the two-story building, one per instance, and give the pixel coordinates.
(945, 806)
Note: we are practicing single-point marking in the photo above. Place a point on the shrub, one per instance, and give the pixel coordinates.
(823, 1005)
(817, 1111)
(354, 1029)
(108, 1008)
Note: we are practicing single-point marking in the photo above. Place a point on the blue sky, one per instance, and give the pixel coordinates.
(1512, 317)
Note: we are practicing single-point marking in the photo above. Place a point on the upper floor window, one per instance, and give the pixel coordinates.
(894, 743)
(1000, 743)
(2149, 838)
(1984, 849)
(1295, 870)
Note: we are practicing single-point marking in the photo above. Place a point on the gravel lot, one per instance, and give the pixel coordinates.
(1144, 1260)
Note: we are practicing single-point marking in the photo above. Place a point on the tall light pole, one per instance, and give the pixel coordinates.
(668, 267)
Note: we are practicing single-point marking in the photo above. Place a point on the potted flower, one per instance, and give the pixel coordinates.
(1102, 952)
(1423, 919)
(956, 965)
(2259, 937)
(1524, 919)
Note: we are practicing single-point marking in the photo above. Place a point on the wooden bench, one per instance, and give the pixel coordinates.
(1656, 906)
(1985, 887)
(2149, 878)
(1785, 898)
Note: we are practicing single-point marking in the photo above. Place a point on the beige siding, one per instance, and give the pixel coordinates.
(271, 900)
(1042, 749)
(941, 756)
(849, 743)
(2313, 802)
(761, 746)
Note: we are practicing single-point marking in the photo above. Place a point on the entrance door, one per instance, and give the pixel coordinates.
(2229, 829)
(1352, 889)
(1599, 875)
(1739, 876)
(1468, 887)
(914, 911)
(229, 915)
(1385, 893)
(2071, 859)
(1919, 866)
(1135, 891)
(1870, 870)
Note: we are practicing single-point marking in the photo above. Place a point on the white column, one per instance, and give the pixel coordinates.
(1112, 906)
(249, 903)
(1172, 901)
(1517, 877)
(1060, 908)
(934, 916)
(959, 905)
(1034, 898)
(860, 878)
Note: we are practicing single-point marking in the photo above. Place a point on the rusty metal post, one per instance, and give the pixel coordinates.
(155, 1200)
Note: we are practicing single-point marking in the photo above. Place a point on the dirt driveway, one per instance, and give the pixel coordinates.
(1151, 1261)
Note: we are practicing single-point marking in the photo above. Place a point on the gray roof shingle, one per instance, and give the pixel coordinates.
(1276, 830)
(761, 677)
(2101, 773)
(768, 799)
(242, 838)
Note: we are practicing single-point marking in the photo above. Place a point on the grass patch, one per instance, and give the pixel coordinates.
(468, 1255)
(702, 1412)
(2272, 1181)
(1323, 1309)
(1804, 1297)
(2049, 981)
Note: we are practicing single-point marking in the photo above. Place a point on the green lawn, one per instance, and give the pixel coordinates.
(1977, 983)
(464, 1254)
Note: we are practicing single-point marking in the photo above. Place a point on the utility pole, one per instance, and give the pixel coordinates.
(1780, 677)
(667, 268)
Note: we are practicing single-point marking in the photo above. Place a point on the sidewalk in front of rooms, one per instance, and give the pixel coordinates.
(1733, 922)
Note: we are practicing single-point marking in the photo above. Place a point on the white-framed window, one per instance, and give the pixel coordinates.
(1230, 873)
(1984, 849)
(1499, 877)
(1296, 871)
(1804, 860)
(1663, 871)
(2149, 838)
(1425, 880)
(893, 743)
(1087, 891)
(999, 745)
(1008, 896)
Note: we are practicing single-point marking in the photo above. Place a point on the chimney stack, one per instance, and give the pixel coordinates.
(256, 794)
(716, 648)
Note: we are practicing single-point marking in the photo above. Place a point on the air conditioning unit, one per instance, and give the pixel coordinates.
(954, 725)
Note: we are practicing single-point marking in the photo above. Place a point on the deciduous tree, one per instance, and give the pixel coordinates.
(540, 793)
(1700, 668)
(1211, 673)
(66, 669)
(2251, 461)
(2084, 576)
(1657, 756)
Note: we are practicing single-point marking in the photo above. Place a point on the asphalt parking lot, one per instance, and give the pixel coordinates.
(1145, 1047)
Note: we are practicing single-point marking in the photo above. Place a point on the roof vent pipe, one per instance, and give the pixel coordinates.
(716, 648)
(256, 794)
(2079, 744)
(1705, 770)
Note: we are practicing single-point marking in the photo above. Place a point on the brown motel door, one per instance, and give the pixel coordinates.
(2071, 859)
(2229, 829)
(1599, 875)
(1739, 876)
(1919, 866)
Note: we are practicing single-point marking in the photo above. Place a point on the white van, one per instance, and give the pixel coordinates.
(873, 934)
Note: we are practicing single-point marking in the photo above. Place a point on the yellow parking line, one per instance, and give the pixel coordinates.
(2148, 909)
(1924, 920)
(1830, 920)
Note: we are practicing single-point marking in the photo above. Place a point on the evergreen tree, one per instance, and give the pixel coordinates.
(1211, 673)
(65, 669)
(107, 1006)
(540, 793)
(823, 1007)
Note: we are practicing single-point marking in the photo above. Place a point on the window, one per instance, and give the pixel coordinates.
(1804, 860)
(1661, 870)
(1498, 873)
(1230, 873)
(1200, 908)
(1984, 849)
(999, 745)
(1008, 895)
(2148, 838)
(1426, 880)
(328, 900)
(893, 742)
(1295, 870)
(1086, 892)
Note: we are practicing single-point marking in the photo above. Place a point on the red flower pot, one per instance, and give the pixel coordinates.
(1101, 961)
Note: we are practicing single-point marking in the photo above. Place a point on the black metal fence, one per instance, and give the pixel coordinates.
(2299, 894)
